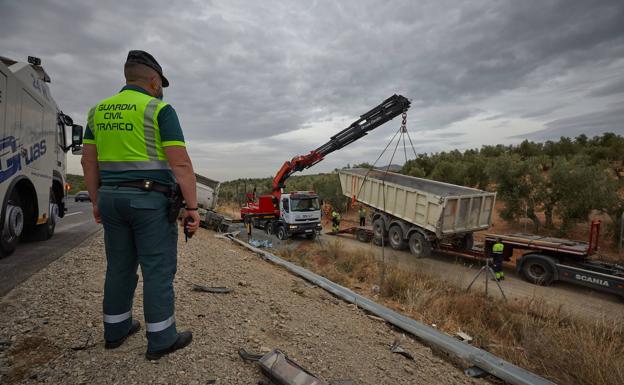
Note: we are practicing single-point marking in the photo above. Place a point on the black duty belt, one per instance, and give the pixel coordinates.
(145, 185)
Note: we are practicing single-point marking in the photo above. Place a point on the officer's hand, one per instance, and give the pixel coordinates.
(96, 213)
(192, 226)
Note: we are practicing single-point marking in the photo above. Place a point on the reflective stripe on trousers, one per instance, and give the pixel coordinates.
(117, 318)
(155, 327)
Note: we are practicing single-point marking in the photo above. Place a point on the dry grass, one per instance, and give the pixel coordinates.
(529, 333)
(229, 209)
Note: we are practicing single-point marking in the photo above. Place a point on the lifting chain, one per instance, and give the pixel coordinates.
(404, 123)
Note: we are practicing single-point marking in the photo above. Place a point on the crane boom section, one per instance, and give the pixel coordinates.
(387, 110)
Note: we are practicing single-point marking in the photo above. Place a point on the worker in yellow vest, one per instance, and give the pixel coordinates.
(335, 221)
(497, 253)
(362, 214)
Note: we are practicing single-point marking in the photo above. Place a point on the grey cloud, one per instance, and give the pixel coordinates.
(590, 124)
(617, 87)
(244, 71)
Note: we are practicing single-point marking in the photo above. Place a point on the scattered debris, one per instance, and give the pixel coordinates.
(87, 345)
(475, 372)
(249, 357)
(267, 244)
(396, 348)
(282, 370)
(373, 317)
(225, 235)
(243, 283)
(212, 289)
(463, 336)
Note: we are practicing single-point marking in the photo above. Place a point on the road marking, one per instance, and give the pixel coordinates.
(70, 214)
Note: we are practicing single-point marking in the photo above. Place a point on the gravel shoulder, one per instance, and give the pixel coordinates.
(51, 330)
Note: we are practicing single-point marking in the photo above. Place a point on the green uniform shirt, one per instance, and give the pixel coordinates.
(170, 134)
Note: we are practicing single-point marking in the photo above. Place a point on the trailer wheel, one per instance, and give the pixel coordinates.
(467, 242)
(419, 245)
(396, 238)
(379, 228)
(281, 233)
(363, 236)
(537, 271)
(13, 225)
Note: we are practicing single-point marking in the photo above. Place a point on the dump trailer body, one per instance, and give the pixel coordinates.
(441, 208)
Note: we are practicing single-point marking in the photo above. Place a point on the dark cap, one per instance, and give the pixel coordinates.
(142, 57)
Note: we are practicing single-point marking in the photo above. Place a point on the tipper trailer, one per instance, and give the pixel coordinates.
(428, 215)
(419, 213)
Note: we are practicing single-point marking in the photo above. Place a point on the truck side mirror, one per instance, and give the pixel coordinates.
(76, 135)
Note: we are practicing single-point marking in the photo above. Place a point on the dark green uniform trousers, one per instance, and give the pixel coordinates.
(136, 232)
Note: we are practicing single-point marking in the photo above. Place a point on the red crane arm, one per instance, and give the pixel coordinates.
(297, 163)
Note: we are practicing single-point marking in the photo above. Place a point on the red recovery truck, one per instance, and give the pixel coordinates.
(299, 213)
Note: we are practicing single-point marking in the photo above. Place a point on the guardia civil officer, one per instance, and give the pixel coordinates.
(134, 152)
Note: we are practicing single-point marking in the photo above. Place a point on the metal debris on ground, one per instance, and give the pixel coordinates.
(395, 347)
(281, 369)
(475, 372)
(225, 235)
(212, 289)
(265, 243)
(463, 336)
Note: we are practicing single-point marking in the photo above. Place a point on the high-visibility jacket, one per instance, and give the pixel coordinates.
(126, 132)
(498, 248)
(362, 213)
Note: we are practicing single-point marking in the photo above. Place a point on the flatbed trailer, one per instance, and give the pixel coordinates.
(544, 260)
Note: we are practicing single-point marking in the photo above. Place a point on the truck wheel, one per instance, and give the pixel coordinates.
(537, 271)
(46, 231)
(396, 238)
(379, 230)
(12, 226)
(268, 227)
(311, 236)
(419, 245)
(281, 233)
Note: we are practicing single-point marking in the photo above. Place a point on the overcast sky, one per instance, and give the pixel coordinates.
(258, 82)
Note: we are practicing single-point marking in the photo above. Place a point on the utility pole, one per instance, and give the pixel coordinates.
(621, 232)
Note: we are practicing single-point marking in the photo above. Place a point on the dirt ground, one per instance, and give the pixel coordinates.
(51, 330)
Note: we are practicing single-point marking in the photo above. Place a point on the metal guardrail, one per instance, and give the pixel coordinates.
(482, 359)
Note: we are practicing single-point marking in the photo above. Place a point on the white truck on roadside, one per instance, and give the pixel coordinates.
(33, 147)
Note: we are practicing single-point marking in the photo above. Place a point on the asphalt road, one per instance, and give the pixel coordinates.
(31, 257)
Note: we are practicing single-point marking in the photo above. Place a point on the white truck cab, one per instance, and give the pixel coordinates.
(33, 147)
(300, 213)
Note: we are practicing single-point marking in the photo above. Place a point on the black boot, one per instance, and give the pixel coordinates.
(136, 325)
(184, 339)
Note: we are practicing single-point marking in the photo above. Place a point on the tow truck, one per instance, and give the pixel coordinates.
(298, 212)
(33, 145)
